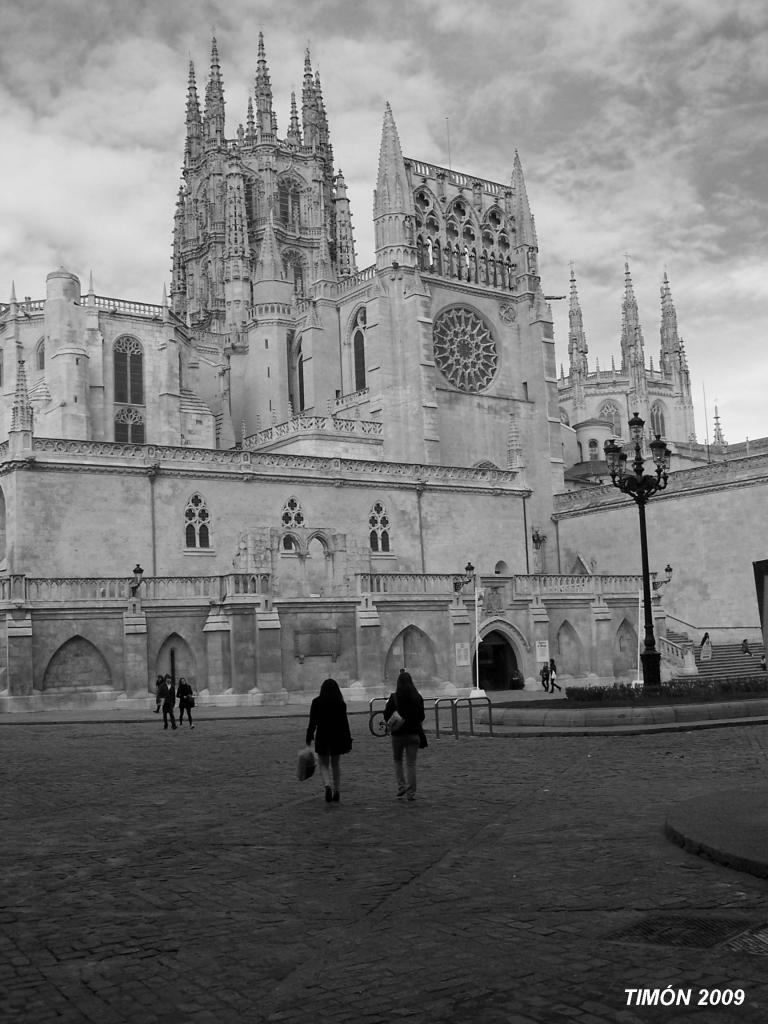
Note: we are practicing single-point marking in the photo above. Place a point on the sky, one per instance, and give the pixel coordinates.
(641, 127)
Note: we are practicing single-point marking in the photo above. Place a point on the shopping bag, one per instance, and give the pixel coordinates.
(305, 764)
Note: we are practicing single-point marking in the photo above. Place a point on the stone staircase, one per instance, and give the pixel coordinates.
(727, 659)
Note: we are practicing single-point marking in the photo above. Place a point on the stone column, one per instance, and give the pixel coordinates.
(269, 655)
(217, 649)
(18, 625)
(135, 660)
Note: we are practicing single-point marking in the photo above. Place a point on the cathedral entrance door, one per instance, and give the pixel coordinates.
(498, 664)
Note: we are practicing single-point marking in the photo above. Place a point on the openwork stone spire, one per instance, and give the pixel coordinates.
(213, 121)
(632, 346)
(21, 410)
(577, 341)
(670, 342)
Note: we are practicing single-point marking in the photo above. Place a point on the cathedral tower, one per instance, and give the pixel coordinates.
(261, 222)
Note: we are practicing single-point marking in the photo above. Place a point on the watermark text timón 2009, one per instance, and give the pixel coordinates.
(672, 996)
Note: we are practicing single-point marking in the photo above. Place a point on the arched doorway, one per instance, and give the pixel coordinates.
(498, 664)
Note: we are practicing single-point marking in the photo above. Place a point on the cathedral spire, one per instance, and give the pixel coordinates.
(393, 211)
(577, 341)
(21, 409)
(263, 93)
(309, 111)
(178, 275)
(294, 130)
(718, 438)
(213, 119)
(194, 123)
(269, 264)
(632, 347)
(527, 246)
(670, 342)
(250, 123)
(345, 241)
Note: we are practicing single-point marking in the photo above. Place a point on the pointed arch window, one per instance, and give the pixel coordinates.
(289, 203)
(378, 522)
(129, 371)
(128, 359)
(611, 412)
(40, 355)
(657, 419)
(358, 349)
(197, 523)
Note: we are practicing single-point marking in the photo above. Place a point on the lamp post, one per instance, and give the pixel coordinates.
(640, 486)
(470, 576)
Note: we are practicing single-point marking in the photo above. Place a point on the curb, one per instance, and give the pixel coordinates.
(729, 828)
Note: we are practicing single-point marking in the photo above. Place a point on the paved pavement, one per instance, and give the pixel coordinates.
(186, 877)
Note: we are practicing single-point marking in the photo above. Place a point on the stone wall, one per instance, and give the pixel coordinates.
(707, 525)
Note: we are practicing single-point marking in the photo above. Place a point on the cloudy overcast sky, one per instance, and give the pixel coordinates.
(641, 127)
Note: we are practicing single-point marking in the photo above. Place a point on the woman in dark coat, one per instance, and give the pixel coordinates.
(186, 699)
(406, 739)
(329, 726)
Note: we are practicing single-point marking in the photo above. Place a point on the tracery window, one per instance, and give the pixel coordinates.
(611, 412)
(378, 521)
(197, 529)
(657, 419)
(128, 358)
(293, 514)
(464, 349)
(129, 425)
(289, 203)
(129, 371)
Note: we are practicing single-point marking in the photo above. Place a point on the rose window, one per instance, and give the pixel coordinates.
(464, 348)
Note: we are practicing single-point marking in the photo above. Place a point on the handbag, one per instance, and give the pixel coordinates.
(394, 721)
(190, 702)
(305, 764)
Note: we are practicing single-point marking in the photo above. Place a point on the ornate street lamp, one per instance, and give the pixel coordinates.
(138, 572)
(640, 486)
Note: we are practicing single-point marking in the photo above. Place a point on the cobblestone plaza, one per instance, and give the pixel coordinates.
(188, 878)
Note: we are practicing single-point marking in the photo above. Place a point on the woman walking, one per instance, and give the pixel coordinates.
(329, 726)
(407, 737)
(186, 700)
(553, 684)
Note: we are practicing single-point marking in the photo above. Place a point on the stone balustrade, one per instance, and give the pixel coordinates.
(310, 425)
(106, 589)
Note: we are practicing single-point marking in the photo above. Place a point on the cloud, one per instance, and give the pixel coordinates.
(640, 126)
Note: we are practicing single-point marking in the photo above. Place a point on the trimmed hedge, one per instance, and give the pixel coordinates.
(694, 690)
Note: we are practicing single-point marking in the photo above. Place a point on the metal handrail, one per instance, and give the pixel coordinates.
(470, 701)
(438, 701)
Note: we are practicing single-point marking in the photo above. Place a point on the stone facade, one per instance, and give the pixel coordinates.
(303, 455)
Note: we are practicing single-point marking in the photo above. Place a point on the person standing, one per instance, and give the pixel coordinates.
(706, 648)
(409, 736)
(329, 727)
(553, 677)
(186, 698)
(158, 693)
(544, 674)
(169, 699)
